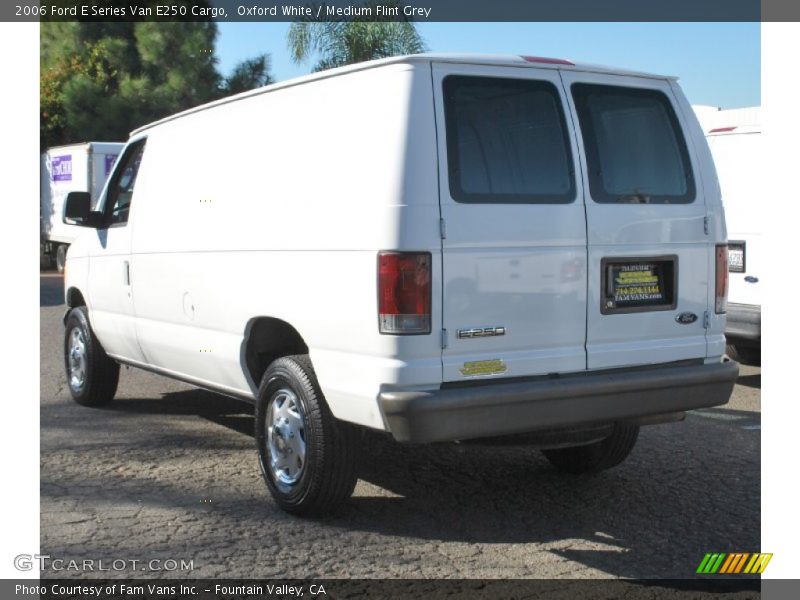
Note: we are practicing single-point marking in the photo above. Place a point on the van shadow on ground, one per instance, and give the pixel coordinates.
(51, 289)
(681, 493)
(751, 381)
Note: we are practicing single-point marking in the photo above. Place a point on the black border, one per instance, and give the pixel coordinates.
(557, 11)
(697, 588)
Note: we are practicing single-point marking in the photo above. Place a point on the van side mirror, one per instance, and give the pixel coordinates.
(77, 210)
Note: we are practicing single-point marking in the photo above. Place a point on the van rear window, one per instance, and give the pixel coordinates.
(635, 149)
(506, 141)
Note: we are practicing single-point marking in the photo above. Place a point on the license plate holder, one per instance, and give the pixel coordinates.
(638, 284)
(737, 257)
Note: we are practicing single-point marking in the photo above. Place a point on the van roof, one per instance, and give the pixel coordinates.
(508, 60)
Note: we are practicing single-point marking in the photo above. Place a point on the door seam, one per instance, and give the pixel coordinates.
(580, 170)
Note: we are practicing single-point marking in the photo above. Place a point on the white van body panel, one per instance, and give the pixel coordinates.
(275, 204)
(112, 308)
(197, 285)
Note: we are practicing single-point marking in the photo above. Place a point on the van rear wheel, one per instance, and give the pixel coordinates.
(307, 457)
(745, 354)
(597, 456)
(92, 376)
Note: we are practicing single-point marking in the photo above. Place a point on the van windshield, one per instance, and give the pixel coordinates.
(506, 141)
(635, 149)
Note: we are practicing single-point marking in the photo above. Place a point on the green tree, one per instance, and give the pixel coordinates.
(73, 83)
(339, 43)
(101, 80)
(248, 74)
(178, 63)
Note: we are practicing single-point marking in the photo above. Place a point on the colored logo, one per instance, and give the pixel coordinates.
(109, 160)
(737, 562)
(483, 367)
(61, 168)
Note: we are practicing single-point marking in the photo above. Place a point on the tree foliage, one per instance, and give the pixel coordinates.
(73, 88)
(339, 43)
(101, 80)
(249, 74)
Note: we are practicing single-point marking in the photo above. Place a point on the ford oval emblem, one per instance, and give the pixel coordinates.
(686, 318)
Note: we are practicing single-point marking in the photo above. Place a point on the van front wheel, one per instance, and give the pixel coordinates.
(597, 456)
(307, 457)
(92, 376)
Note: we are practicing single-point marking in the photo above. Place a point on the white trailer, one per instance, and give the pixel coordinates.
(75, 168)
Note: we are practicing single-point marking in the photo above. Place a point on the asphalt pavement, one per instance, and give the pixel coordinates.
(168, 472)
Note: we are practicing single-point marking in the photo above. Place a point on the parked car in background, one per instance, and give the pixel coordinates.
(439, 247)
(77, 167)
(734, 137)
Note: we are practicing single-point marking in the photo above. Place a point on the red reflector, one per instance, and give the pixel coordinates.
(721, 294)
(548, 61)
(404, 292)
(721, 129)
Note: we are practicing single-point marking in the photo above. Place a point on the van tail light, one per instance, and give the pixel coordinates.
(404, 292)
(721, 299)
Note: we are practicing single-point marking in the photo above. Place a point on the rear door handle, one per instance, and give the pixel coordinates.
(126, 267)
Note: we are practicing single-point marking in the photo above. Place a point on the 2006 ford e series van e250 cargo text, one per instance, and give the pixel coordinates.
(439, 247)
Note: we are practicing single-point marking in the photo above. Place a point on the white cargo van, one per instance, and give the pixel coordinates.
(439, 247)
(736, 150)
(77, 167)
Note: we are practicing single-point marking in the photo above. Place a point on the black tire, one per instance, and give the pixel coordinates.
(327, 476)
(745, 354)
(597, 456)
(100, 373)
(61, 257)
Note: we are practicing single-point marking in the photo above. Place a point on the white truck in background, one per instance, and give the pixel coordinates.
(734, 137)
(75, 168)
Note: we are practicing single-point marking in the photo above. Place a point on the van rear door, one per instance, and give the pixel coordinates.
(514, 228)
(649, 256)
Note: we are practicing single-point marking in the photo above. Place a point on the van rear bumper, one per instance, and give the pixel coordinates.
(483, 409)
(743, 322)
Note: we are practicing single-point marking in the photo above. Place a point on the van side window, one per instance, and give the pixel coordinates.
(506, 141)
(120, 189)
(635, 149)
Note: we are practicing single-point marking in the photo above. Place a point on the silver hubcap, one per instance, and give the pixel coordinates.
(286, 438)
(77, 359)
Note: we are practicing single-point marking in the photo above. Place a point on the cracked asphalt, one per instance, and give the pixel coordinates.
(170, 472)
